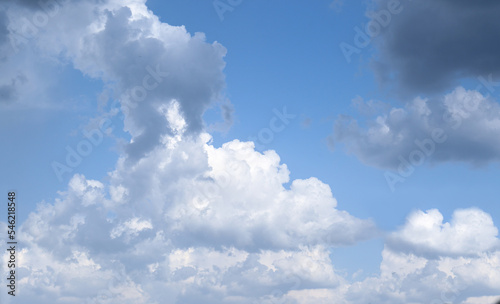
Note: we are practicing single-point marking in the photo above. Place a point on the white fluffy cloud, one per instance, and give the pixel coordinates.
(185, 227)
(409, 278)
(428, 261)
(191, 223)
(179, 225)
(470, 232)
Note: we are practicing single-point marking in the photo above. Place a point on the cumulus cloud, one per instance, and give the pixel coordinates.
(190, 223)
(159, 63)
(430, 45)
(463, 125)
(430, 261)
(147, 64)
(410, 278)
(470, 232)
(179, 225)
(204, 190)
(131, 228)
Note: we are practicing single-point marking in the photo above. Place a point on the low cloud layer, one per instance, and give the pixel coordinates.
(179, 227)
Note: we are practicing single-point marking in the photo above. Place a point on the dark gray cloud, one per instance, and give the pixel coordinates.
(433, 43)
(462, 126)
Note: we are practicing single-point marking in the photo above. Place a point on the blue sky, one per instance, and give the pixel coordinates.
(271, 74)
